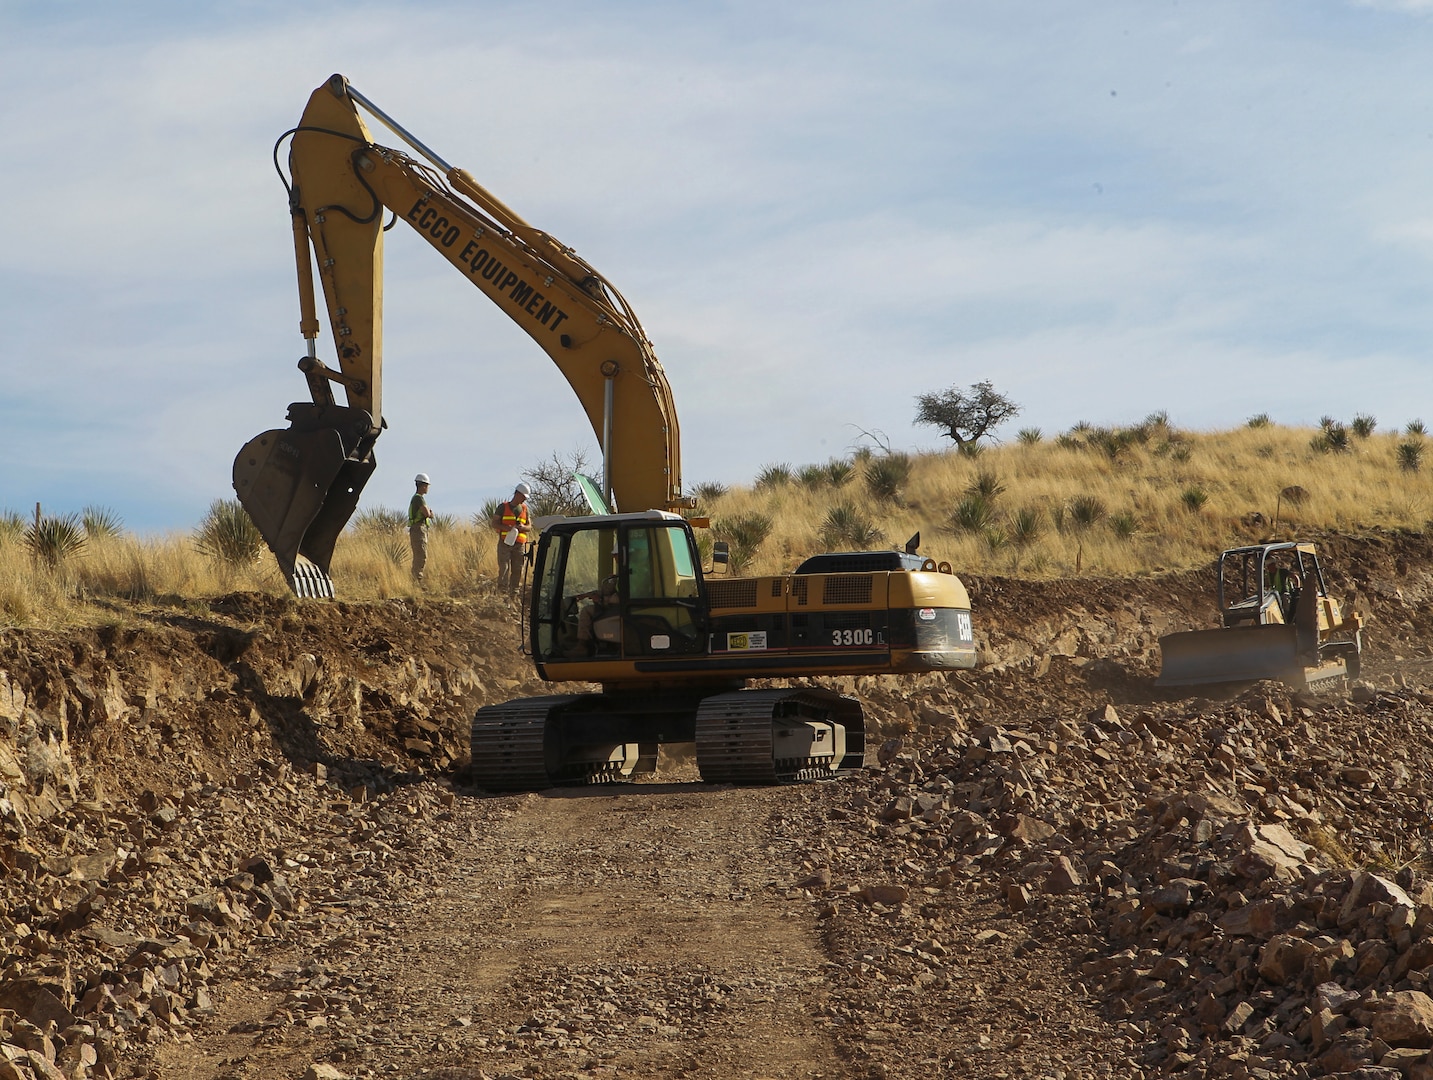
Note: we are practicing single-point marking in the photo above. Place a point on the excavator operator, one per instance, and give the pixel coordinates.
(598, 617)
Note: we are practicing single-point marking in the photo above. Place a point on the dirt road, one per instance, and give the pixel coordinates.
(641, 932)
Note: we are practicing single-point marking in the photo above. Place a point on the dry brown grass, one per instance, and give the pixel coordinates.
(1241, 473)
(1145, 483)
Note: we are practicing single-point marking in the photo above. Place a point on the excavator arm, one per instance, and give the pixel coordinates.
(301, 484)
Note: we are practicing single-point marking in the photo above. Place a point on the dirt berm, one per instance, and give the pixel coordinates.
(236, 840)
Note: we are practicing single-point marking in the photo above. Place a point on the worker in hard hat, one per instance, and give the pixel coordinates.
(419, 515)
(514, 527)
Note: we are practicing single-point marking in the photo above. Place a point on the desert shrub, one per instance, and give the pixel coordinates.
(839, 471)
(1414, 427)
(1261, 420)
(986, 484)
(101, 523)
(709, 492)
(555, 490)
(1194, 497)
(1331, 439)
(1029, 436)
(973, 514)
(1025, 526)
(846, 527)
(228, 534)
(55, 540)
(1410, 455)
(812, 477)
(995, 540)
(744, 535)
(1124, 525)
(1362, 425)
(773, 476)
(379, 519)
(483, 519)
(1086, 511)
(886, 475)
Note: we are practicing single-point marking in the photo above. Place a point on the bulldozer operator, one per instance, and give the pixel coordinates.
(1285, 584)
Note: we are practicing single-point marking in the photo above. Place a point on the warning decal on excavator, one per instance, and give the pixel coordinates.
(755, 639)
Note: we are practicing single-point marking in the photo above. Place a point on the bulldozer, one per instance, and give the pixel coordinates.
(1277, 621)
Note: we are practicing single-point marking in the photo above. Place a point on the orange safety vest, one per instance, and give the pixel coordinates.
(520, 519)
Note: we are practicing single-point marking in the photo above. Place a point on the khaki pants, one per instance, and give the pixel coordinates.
(510, 565)
(418, 541)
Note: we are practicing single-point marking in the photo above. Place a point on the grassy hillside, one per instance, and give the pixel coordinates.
(1122, 501)
(1108, 502)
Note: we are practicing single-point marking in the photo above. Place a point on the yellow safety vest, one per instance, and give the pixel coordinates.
(520, 519)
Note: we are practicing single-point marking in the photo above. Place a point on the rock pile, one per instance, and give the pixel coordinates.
(1209, 847)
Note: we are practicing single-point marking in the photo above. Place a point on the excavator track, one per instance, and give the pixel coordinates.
(518, 747)
(744, 737)
(510, 744)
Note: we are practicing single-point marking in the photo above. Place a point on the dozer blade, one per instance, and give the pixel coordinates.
(1238, 654)
(301, 485)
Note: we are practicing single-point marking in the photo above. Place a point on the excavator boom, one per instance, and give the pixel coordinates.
(301, 484)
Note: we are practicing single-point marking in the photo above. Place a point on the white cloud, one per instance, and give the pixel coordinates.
(1106, 210)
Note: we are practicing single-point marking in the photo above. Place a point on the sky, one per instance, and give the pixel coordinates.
(819, 210)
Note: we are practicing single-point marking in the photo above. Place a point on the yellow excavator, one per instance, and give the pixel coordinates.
(618, 599)
(1278, 622)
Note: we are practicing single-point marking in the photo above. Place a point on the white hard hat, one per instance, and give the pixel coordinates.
(522, 489)
(421, 478)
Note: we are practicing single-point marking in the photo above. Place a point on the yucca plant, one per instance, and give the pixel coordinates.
(845, 527)
(1124, 525)
(228, 534)
(773, 476)
(1414, 427)
(1085, 512)
(986, 484)
(1331, 439)
(1194, 498)
(1025, 526)
(1260, 420)
(483, 519)
(443, 522)
(55, 540)
(744, 536)
(839, 471)
(1362, 425)
(973, 514)
(12, 526)
(379, 519)
(887, 474)
(812, 477)
(101, 523)
(1410, 455)
(1029, 436)
(995, 540)
(708, 493)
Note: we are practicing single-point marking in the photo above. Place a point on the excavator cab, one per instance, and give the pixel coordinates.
(618, 587)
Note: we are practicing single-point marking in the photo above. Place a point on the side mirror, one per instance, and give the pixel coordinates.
(721, 555)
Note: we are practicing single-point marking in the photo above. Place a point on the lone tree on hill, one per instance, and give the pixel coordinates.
(966, 416)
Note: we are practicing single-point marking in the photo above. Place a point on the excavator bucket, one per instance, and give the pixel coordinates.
(301, 485)
(1241, 654)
